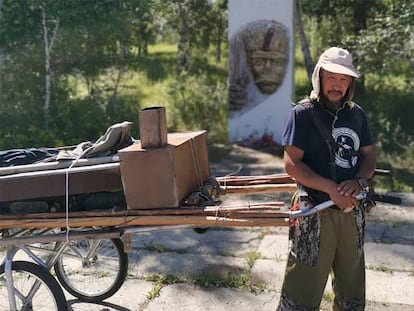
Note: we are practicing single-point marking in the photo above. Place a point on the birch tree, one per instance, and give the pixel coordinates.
(48, 46)
(303, 41)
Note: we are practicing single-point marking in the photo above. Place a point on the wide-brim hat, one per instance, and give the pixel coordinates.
(338, 60)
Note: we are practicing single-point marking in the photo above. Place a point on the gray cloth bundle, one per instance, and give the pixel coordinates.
(116, 137)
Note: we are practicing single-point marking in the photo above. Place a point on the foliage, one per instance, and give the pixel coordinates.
(329, 22)
(196, 102)
(102, 67)
(97, 46)
(386, 47)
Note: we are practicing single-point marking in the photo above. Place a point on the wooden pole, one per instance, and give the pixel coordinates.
(252, 189)
(241, 180)
(117, 221)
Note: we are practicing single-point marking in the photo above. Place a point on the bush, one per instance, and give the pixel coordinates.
(197, 104)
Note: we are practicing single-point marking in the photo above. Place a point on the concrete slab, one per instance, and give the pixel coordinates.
(390, 287)
(133, 293)
(395, 257)
(184, 297)
(220, 241)
(269, 273)
(274, 246)
(185, 265)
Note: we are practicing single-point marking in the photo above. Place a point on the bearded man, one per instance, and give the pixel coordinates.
(328, 150)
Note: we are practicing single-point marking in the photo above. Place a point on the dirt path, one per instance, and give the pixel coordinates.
(247, 161)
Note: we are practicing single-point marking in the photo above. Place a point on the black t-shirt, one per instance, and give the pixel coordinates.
(349, 130)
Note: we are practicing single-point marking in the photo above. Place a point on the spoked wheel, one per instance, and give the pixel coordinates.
(92, 270)
(34, 289)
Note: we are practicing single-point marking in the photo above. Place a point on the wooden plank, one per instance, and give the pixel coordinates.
(127, 221)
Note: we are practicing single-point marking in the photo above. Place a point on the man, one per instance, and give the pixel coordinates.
(329, 152)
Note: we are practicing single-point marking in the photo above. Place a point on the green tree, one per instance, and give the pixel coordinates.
(199, 104)
(85, 46)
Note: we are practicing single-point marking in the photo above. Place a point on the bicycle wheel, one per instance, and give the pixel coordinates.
(92, 270)
(34, 289)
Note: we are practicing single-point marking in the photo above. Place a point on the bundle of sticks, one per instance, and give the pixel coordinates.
(244, 214)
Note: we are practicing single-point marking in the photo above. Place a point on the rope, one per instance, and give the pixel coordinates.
(67, 195)
(217, 215)
(231, 174)
(196, 163)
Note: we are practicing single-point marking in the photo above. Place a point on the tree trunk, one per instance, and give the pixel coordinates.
(47, 62)
(360, 18)
(303, 41)
(48, 49)
(219, 36)
(183, 56)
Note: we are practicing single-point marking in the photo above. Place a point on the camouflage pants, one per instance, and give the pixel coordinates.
(323, 244)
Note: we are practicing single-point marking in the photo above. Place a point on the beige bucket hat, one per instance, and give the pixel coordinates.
(334, 59)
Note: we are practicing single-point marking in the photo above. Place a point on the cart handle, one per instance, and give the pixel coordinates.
(364, 195)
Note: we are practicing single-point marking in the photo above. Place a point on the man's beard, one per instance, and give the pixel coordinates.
(330, 104)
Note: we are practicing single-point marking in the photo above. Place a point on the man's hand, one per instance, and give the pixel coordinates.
(349, 187)
(345, 195)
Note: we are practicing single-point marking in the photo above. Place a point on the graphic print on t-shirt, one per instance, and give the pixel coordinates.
(348, 144)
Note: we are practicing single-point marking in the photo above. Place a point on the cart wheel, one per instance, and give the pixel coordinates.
(34, 289)
(93, 270)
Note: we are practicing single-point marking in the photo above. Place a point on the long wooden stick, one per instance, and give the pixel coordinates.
(267, 207)
(251, 189)
(144, 221)
(261, 179)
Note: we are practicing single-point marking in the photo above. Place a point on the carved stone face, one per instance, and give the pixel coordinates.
(267, 50)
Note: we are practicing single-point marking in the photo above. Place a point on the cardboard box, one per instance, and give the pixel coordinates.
(164, 177)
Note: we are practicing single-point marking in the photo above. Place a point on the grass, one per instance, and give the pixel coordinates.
(162, 48)
(155, 291)
(160, 282)
(380, 268)
(241, 281)
(251, 258)
(159, 248)
(156, 248)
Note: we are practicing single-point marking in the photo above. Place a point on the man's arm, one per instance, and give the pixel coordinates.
(367, 167)
(368, 162)
(296, 168)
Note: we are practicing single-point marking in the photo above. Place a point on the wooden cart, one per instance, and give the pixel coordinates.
(41, 216)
